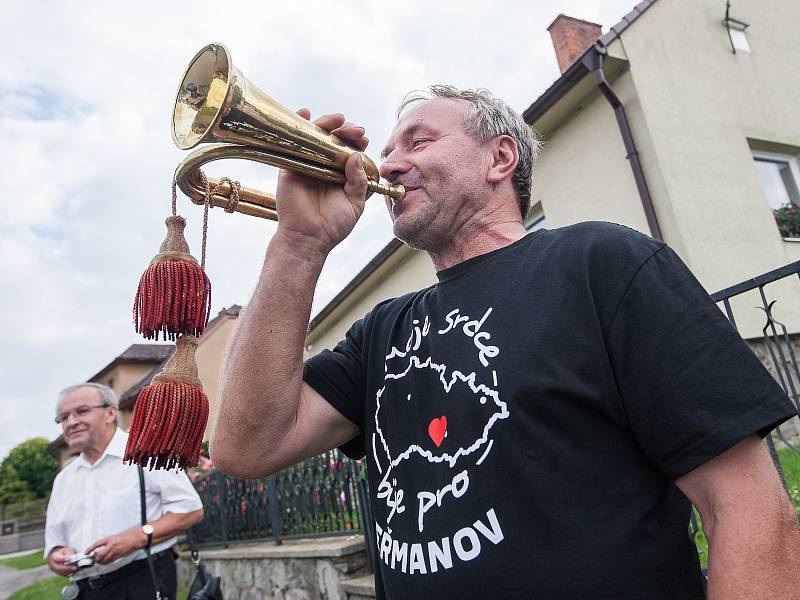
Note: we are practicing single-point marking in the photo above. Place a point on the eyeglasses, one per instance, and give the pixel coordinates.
(79, 412)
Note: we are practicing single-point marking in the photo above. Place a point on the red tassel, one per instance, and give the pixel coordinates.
(170, 415)
(174, 294)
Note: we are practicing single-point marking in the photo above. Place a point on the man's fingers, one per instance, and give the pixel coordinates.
(349, 131)
(359, 144)
(97, 544)
(103, 555)
(65, 570)
(335, 123)
(330, 122)
(352, 135)
(356, 185)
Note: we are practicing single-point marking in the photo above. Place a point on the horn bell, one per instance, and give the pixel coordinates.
(216, 103)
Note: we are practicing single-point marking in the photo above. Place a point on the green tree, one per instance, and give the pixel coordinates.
(30, 463)
(12, 488)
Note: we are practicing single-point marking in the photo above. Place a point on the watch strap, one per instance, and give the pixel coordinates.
(148, 531)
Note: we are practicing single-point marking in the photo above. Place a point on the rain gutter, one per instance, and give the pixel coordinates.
(593, 62)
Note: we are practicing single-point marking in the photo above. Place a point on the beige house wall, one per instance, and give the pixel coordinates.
(209, 356)
(702, 105)
(694, 108)
(696, 111)
(122, 377)
(405, 271)
(582, 174)
(124, 418)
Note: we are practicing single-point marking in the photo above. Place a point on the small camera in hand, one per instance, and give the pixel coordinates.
(80, 560)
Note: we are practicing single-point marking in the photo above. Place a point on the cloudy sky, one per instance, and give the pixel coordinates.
(86, 154)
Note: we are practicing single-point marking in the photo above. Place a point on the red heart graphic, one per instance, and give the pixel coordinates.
(437, 429)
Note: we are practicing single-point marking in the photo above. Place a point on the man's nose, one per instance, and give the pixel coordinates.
(393, 166)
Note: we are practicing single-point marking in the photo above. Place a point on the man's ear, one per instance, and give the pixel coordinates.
(112, 415)
(503, 158)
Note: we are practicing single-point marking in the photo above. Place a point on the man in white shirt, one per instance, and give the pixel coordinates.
(95, 505)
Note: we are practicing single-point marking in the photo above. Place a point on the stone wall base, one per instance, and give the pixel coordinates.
(785, 374)
(295, 570)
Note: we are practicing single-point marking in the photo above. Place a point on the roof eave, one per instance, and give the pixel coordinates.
(555, 92)
(578, 70)
(55, 447)
(393, 246)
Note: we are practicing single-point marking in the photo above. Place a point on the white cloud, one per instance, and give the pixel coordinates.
(85, 103)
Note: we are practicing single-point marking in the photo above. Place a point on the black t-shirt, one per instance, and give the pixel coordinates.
(524, 419)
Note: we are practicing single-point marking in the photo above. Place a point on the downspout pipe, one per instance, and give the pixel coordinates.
(593, 62)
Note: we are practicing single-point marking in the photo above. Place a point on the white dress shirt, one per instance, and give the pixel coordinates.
(90, 502)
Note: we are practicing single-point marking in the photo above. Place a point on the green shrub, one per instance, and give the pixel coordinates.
(27, 472)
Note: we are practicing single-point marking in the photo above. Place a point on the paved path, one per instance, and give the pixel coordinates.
(12, 580)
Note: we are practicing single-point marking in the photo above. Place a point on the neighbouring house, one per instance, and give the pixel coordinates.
(132, 370)
(681, 122)
(125, 371)
(209, 357)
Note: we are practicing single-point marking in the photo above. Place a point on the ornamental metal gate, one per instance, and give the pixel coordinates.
(322, 496)
(779, 350)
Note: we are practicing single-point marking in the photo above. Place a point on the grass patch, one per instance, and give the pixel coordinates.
(50, 589)
(46, 589)
(790, 465)
(25, 561)
(700, 540)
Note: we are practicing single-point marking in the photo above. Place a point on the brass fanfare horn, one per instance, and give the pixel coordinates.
(216, 103)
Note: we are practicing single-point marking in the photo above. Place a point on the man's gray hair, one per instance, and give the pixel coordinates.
(107, 395)
(487, 118)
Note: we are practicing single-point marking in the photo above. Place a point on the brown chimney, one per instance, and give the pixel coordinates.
(571, 37)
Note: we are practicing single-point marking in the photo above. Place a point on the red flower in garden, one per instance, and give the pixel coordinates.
(787, 218)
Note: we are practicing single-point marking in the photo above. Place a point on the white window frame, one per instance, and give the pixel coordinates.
(794, 169)
(788, 159)
(536, 220)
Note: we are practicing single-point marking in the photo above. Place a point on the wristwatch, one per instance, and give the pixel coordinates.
(148, 530)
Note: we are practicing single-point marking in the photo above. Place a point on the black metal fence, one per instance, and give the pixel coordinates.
(780, 356)
(324, 495)
(31, 509)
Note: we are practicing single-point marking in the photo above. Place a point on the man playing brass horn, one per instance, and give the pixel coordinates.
(537, 422)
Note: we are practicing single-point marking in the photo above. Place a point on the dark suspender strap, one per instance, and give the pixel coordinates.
(141, 499)
(192, 547)
(147, 547)
(190, 539)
